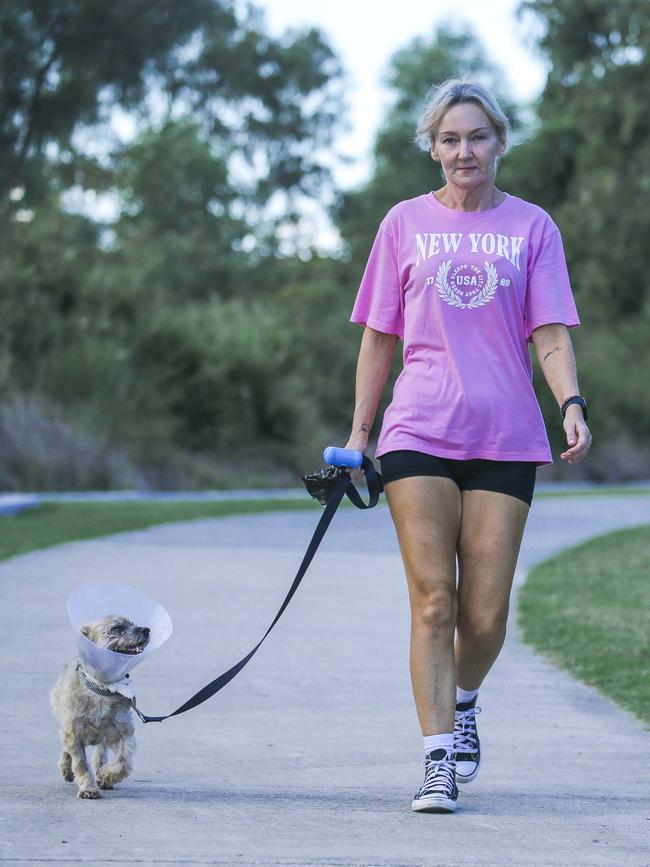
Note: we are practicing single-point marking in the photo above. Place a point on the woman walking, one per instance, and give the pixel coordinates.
(466, 277)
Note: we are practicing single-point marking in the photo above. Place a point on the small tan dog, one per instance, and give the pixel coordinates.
(101, 719)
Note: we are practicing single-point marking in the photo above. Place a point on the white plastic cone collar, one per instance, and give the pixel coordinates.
(96, 599)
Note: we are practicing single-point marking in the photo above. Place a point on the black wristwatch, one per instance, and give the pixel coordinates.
(575, 398)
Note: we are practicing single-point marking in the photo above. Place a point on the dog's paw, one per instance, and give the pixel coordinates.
(109, 775)
(65, 766)
(89, 793)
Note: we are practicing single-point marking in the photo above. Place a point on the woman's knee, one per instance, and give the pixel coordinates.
(482, 626)
(435, 608)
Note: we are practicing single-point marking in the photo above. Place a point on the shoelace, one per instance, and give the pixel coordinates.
(465, 730)
(439, 778)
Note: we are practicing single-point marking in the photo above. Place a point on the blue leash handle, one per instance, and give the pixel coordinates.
(342, 457)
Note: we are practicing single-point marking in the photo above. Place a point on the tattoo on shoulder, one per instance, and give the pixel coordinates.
(552, 351)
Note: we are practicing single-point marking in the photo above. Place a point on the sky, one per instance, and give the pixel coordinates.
(365, 34)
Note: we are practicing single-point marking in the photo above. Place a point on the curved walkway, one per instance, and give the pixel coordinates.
(312, 755)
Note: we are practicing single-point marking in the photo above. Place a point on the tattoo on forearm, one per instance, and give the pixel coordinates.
(364, 428)
(552, 351)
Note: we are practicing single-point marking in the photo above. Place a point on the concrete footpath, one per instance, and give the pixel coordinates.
(312, 754)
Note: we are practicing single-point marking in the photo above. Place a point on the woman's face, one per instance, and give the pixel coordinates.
(467, 146)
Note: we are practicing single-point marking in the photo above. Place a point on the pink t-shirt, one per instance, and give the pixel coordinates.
(464, 290)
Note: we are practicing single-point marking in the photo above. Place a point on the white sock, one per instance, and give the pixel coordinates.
(463, 695)
(434, 742)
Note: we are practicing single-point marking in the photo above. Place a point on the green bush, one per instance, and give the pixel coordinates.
(225, 372)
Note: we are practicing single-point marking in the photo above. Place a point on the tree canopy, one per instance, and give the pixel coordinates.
(177, 330)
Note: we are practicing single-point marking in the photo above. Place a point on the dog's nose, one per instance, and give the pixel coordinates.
(146, 630)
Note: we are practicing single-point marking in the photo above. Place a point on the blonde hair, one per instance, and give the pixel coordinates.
(441, 97)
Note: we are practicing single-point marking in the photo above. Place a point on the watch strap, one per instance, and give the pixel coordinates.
(575, 398)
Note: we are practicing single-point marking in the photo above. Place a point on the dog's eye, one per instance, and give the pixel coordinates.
(117, 630)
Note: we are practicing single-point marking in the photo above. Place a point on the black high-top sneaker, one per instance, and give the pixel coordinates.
(439, 791)
(467, 747)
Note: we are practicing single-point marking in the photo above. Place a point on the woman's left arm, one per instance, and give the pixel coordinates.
(557, 361)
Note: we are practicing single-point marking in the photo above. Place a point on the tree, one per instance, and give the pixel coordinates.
(178, 236)
(157, 331)
(595, 95)
(588, 161)
(64, 64)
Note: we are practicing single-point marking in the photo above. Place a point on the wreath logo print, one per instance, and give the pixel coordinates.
(452, 296)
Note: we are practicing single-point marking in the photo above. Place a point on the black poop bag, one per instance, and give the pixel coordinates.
(321, 483)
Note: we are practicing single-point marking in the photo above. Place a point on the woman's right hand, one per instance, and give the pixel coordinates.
(359, 444)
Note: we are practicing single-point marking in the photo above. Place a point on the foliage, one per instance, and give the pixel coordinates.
(223, 374)
(156, 330)
(43, 264)
(65, 65)
(173, 344)
(599, 75)
(60, 61)
(596, 176)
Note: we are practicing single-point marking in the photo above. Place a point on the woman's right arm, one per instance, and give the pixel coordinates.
(374, 364)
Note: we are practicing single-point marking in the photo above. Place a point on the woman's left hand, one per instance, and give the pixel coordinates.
(578, 435)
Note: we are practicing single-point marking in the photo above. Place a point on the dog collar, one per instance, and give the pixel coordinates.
(121, 689)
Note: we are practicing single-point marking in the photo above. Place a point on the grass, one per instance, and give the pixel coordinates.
(587, 610)
(55, 523)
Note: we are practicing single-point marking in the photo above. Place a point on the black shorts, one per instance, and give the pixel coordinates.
(516, 478)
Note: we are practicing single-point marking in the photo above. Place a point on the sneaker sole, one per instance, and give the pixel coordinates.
(467, 778)
(434, 805)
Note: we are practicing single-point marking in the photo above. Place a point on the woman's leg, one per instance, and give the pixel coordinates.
(426, 511)
(492, 526)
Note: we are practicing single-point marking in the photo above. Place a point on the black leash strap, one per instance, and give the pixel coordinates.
(342, 486)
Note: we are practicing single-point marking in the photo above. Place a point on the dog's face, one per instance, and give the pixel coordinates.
(117, 633)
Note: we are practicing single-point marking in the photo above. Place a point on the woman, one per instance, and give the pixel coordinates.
(466, 277)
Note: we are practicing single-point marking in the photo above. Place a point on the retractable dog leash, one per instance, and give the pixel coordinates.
(328, 486)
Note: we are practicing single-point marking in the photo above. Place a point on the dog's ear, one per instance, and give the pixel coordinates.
(85, 630)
